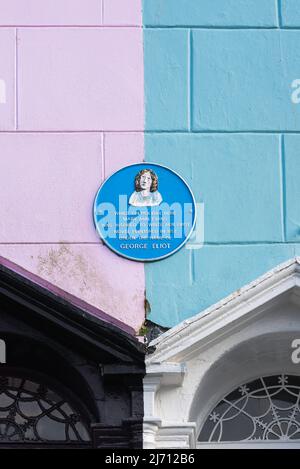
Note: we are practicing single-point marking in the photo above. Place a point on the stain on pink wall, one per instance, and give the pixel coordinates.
(74, 114)
(89, 272)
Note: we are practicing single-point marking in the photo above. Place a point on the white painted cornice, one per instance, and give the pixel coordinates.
(169, 374)
(218, 320)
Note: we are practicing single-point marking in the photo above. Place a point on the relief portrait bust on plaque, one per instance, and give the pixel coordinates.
(146, 190)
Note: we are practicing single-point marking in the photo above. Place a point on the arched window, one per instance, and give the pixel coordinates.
(33, 413)
(264, 410)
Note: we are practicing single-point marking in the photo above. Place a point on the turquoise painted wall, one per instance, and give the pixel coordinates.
(219, 110)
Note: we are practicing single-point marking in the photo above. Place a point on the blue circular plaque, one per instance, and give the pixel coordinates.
(144, 212)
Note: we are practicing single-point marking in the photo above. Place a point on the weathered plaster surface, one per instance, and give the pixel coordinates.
(246, 335)
(219, 110)
(73, 114)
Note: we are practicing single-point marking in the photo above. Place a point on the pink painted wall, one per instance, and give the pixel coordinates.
(73, 114)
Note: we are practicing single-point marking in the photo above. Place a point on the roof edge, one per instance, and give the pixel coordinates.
(64, 295)
(172, 338)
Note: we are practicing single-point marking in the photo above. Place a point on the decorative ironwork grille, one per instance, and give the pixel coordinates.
(31, 412)
(264, 409)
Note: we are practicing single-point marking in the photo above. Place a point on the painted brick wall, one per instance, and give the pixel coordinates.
(71, 112)
(219, 110)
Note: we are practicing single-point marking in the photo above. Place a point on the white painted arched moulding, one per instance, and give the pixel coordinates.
(247, 335)
(264, 355)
